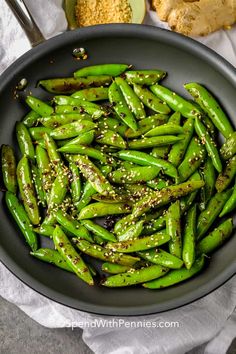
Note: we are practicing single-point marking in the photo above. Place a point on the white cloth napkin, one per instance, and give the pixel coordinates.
(210, 321)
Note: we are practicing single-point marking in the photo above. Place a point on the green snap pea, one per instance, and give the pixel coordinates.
(91, 108)
(92, 94)
(82, 139)
(216, 238)
(8, 162)
(228, 149)
(158, 183)
(112, 124)
(75, 182)
(132, 100)
(58, 120)
(194, 157)
(230, 204)
(51, 256)
(37, 133)
(72, 258)
(144, 77)
(104, 254)
(187, 201)
(40, 107)
(173, 228)
(98, 230)
(101, 69)
(154, 141)
(73, 129)
(27, 191)
(38, 186)
(140, 244)
(144, 159)
(72, 225)
(213, 209)
(161, 257)
(84, 150)
(165, 196)
(70, 84)
(161, 151)
(147, 124)
(122, 224)
(134, 174)
(45, 230)
(150, 100)
(211, 107)
(30, 119)
(24, 140)
(176, 276)
(225, 178)
(116, 98)
(176, 102)
(100, 209)
(86, 196)
(189, 237)
(113, 268)
(67, 109)
(155, 225)
(209, 177)
(18, 212)
(132, 232)
(165, 129)
(175, 118)
(209, 144)
(109, 137)
(53, 154)
(133, 277)
(178, 150)
(93, 175)
(44, 168)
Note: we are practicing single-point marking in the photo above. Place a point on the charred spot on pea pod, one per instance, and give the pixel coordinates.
(79, 53)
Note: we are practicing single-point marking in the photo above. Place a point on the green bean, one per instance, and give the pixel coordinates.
(228, 149)
(102, 69)
(30, 119)
(109, 137)
(132, 232)
(211, 107)
(113, 268)
(194, 157)
(70, 84)
(8, 163)
(213, 209)
(134, 174)
(178, 150)
(140, 244)
(72, 258)
(98, 230)
(150, 100)
(209, 178)
(37, 133)
(230, 204)
(132, 100)
(27, 191)
(209, 143)
(154, 141)
(176, 102)
(122, 110)
(173, 228)
(161, 257)
(165, 196)
(225, 178)
(165, 129)
(24, 140)
(189, 238)
(144, 77)
(38, 186)
(92, 94)
(216, 238)
(100, 209)
(71, 130)
(143, 159)
(104, 254)
(72, 225)
(75, 182)
(40, 107)
(18, 212)
(53, 257)
(133, 277)
(176, 276)
(58, 120)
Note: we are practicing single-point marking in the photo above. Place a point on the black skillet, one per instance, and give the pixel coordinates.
(144, 47)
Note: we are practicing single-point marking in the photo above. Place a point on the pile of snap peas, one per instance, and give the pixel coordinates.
(113, 144)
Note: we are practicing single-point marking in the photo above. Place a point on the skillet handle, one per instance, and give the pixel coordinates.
(26, 21)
